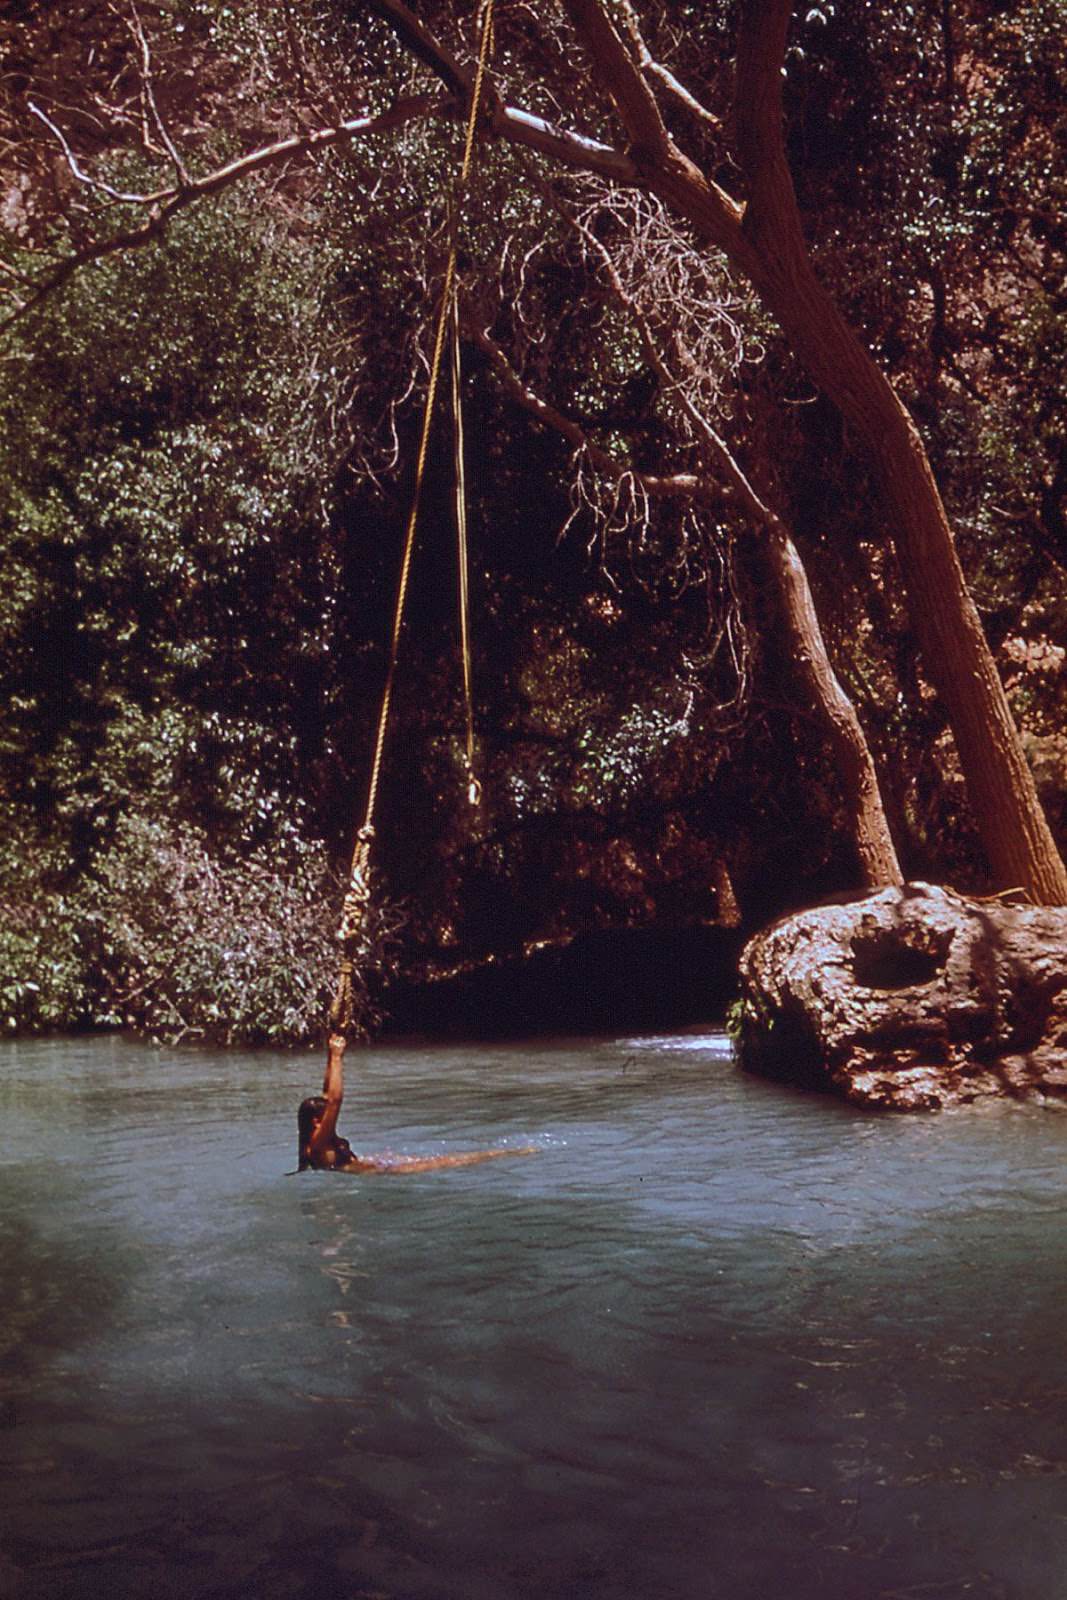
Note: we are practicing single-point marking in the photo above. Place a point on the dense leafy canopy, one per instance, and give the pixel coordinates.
(207, 456)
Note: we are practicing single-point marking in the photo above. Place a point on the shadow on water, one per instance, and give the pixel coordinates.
(598, 982)
(712, 1341)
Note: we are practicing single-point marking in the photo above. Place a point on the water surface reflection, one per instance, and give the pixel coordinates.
(714, 1340)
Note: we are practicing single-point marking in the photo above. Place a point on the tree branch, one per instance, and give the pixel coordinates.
(512, 123)
(619, 74)
(669, 174)
(680, 92)
(166, 203)
(573, 149)
(685, 485)
(648, 64)
(738, 487)
(662, 167)
(75, 170)
(416, 37)
(519, 127)
(149, 97)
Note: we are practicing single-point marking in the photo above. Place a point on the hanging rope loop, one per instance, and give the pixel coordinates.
(474, 788)
(355, 908)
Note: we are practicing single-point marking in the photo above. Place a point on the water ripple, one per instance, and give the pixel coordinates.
(716, 1339)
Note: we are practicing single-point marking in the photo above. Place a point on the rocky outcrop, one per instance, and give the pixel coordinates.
(911, 998)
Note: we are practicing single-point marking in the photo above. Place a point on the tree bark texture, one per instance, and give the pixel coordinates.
(837, 715)
(764, 240)
(954, 648)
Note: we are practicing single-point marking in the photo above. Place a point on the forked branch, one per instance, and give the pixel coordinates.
(656, 69)
(148, 96)
(657, 486)
(619, 73)
(163, 205)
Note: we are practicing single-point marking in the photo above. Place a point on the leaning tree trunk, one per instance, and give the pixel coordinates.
(954, 648)
(851, 753)
(764, 240)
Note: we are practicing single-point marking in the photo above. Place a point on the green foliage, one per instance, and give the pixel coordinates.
(165, 448)
(172, 937)
(157, 439)
(238, 950)
(205, 457)
(735, 1018)
(46, 937)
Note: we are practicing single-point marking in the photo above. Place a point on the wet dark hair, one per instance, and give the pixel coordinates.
(309, 1113)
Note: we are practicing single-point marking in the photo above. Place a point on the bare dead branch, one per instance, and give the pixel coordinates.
(737, 483)
(681, 93)
(150, 98)
(76, 171)
(573, 149)
(685, 485)
(656, 69)
(166, 203)
(518, 126)
(536, 133)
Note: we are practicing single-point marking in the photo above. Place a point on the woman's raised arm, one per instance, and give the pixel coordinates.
(333, 1089)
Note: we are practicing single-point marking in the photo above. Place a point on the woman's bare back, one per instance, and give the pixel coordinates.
(395, 1166)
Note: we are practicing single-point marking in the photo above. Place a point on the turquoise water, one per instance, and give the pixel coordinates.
(714, 1340)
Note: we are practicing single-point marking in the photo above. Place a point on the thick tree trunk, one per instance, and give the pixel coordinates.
(837, 715)
(954, 649)
(763, 239)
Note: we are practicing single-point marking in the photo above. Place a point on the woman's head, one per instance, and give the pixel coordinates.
(308, 1117)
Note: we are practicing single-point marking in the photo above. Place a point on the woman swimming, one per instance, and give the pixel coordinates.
(320, 1145)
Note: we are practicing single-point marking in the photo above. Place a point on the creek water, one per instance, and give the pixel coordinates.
(715, 1339)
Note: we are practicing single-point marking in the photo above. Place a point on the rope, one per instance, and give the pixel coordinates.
(357, 898)
(474, 788)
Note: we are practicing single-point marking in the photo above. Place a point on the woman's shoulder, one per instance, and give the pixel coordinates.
(340, 1157)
